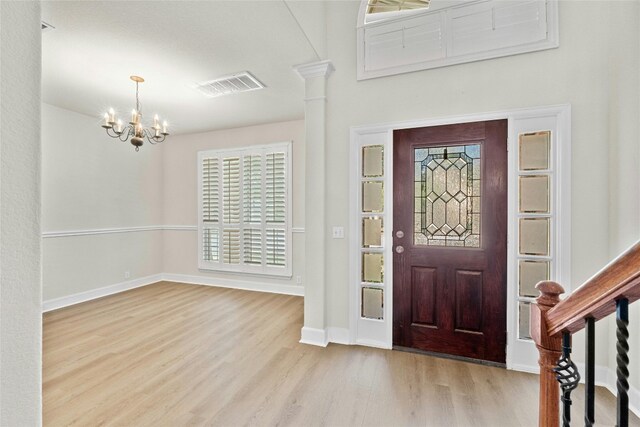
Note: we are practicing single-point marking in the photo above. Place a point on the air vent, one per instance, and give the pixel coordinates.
(235, 83)
(46, 27)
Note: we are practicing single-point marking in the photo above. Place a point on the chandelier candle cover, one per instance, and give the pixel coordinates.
(135, 130)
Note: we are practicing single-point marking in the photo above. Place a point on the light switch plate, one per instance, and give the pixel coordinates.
(338, 232)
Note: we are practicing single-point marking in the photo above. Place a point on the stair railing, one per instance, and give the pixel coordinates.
(554, 321)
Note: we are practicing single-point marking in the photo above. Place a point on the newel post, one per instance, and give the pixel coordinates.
(550, 349)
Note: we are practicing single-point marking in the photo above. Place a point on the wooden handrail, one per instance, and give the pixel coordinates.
(597, 296)
(550, 317)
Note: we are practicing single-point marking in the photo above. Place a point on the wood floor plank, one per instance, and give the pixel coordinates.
(172, 354)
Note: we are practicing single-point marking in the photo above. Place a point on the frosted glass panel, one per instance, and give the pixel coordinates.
(534, 236)
(372, 267)
(372, 161)
(447, 196)
(534, 194)
(372, 232)
(372, 196)
(372, 303)
(524, 320)
(529, 274)
(535, 151)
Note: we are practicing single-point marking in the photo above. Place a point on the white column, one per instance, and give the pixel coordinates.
(315, 76)
(20, 273)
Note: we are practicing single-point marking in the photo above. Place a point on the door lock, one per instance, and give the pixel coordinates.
(399, 249)
(399, 234)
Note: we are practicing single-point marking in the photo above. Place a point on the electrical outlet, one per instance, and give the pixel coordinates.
(298, 280)
(338, 232)
(127, 274)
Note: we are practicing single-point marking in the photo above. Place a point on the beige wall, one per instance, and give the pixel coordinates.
(181, 203)
(577, 73)
(20, 284)
(93, 182)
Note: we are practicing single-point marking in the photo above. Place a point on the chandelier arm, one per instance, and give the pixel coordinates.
(115, 134)
(126, 132)
(152, 139)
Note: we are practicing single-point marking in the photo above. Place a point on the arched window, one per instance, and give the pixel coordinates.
(400, 36)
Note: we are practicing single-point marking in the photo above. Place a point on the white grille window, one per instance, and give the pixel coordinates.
(245, 209)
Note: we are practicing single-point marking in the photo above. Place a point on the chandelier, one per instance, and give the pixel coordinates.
(135, 129)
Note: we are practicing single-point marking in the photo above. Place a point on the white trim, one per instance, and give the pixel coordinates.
(116, 230)
(338, 335)
(377, 333)
(313, 336)
(56, 303)
(314, 69)
(297, 229)
(273, 288)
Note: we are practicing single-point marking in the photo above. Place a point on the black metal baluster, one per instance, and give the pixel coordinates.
(622, 333)
(568, 377)
(590, 370)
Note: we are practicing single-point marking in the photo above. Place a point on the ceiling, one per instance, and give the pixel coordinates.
(95, 46)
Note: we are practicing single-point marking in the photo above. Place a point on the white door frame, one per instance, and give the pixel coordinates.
(521, 354)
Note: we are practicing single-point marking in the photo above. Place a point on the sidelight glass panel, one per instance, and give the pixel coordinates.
(372, 267)
(524, 320)
(371, 232)
(372, 196)
(529, 274)
(534, 194)
(372, 303)
(534, 236)
(373, 161)
(535, 151)
(447, 196)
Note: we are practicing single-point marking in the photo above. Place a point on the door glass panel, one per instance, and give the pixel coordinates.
(372, 196)
(534, 151)
(372, 267)
(524, 320)
(447, 196)
(372, 303)
(534, 194)
(534, 236)
(529, 274)
(372, 161)
(371, 232)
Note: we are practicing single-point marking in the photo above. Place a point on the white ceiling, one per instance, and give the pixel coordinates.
(96, 46)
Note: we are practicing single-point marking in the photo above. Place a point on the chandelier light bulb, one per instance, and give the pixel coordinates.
(164, 128)
(112, 116)
(106, 120)
(119, 126)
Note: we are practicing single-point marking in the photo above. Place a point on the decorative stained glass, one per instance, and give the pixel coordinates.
(447, 196)
(534, 194)
(534, 236)
(529, 274)
(373, 161)
(372, 303)
(535, 151)
(372, 196)
(524, 311)
(372, 232)
(372, 267)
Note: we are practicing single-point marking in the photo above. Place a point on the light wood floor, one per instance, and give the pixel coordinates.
(176, 355)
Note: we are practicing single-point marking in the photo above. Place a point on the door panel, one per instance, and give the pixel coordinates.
(450, 202)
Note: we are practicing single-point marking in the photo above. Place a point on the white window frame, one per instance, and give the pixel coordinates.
(442, 14)
(263, 269)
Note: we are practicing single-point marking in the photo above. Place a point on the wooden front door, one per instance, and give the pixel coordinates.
(450, 239)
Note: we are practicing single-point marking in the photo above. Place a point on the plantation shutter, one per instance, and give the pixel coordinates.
(245, 210)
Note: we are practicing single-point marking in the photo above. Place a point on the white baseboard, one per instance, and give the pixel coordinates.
(605, 377)
(235, 284)
(338, 335)
(56, 303)
(313, 336)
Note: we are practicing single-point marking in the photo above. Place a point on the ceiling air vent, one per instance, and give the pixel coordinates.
(235, 83)
(46, 27)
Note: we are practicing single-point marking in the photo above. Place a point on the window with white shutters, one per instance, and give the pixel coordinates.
(245, 209)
